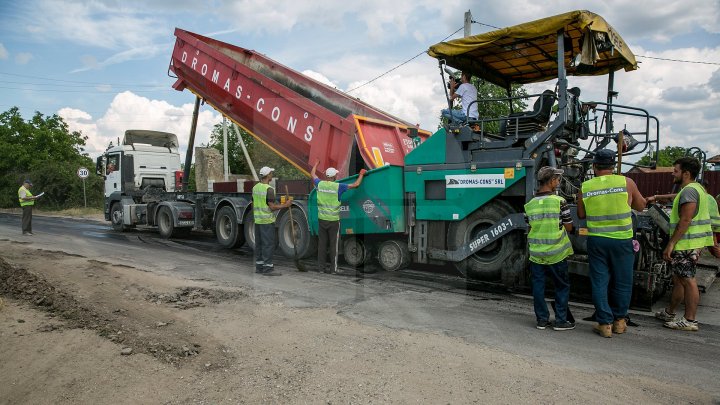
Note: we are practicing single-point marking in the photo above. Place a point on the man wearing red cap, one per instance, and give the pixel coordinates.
(328, 201)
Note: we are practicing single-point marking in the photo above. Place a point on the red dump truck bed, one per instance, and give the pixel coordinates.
(298, 117)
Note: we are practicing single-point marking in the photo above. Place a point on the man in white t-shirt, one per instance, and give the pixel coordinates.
(467, 93)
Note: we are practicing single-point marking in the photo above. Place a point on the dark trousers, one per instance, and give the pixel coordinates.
(264, 247)
(27, 218)
(561, 282)
(611, 276)
(328, 231)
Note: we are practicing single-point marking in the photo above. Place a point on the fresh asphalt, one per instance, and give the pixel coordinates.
(415, 300)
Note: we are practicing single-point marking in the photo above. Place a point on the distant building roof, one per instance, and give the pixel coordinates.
(647, 170)
(714, 159)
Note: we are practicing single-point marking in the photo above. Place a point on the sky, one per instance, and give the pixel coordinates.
(103, 65)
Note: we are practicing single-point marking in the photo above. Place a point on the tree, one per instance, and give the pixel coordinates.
(46, 151)
(260, 154)
(666, 156)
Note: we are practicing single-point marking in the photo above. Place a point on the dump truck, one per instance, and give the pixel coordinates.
(453, 198)
(299, 118)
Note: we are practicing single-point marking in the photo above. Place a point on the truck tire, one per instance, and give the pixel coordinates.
(228, 232)
(166, 225)
(306, 243)
(356, 252)
(249, 230)
(505, 260)
(116, 217)
(393, 255)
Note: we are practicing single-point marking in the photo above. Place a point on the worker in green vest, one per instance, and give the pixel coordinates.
(691, 231)
(328, 202)
(549, 217)
(607, 201)
(264, 204)
(27, 201)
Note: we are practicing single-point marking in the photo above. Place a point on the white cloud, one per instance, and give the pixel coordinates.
(130, 111)
(3, 52)
(99, 24)
(139, 53)
(23, 58)
(319, 77)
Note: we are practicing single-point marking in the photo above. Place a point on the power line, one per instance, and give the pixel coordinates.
(407, 61)
(81, 82)
(679, 60)
(79, 91)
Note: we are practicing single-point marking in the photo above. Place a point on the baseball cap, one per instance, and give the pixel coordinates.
(546, 173)
(28, 181)
(604, 157)
(331, 172)
(264, 171)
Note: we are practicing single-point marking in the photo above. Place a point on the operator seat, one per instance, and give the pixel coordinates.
(529, 122)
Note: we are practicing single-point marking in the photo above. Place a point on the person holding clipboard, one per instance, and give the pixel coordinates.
(27, 201)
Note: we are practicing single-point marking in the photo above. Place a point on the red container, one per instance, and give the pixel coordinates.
(298, 117)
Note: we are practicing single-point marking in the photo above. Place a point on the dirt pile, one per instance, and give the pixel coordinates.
(131, 324)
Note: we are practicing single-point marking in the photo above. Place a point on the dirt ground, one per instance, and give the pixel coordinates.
(76, 330)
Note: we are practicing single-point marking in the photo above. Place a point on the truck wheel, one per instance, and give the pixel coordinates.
(228, 232)
(165, 223)
(306, 243)
(116, 217)
(504, 260)
(249, 230)
(356, 252)
(393, 255)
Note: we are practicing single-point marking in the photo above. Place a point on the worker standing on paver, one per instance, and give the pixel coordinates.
(606, 201)
(328, 202)
(691, 229)
(549, 218)
(263, 196)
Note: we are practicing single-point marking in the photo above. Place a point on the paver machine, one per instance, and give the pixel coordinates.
(459, 197)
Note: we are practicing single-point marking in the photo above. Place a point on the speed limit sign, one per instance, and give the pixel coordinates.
(83, 173)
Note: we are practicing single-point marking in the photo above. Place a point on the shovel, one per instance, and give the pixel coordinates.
(296, 259)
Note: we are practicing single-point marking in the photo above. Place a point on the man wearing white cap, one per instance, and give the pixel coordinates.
(328, 202)
(263, 207)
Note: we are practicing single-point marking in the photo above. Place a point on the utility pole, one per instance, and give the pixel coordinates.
(468, 22)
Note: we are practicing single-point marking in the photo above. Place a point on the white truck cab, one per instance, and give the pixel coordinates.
(144, 158)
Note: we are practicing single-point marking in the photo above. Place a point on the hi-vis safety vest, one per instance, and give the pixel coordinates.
(607, 210)
(261, 211)
(327, 201)
(714, 213)
(27, 194)
(699, 234)
(548, 242)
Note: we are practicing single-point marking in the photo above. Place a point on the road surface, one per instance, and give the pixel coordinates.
(410, 301)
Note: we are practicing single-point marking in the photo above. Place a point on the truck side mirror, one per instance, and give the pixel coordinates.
(99, 166)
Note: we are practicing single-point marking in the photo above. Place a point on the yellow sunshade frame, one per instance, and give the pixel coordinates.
(527, 53)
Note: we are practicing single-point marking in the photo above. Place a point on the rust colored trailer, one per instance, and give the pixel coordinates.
(298, 117)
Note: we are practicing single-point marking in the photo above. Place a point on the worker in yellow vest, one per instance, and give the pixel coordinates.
(328, 201)
(27, 201)
(691, 229)
(264, 204)
(607, 201)
(549, 217)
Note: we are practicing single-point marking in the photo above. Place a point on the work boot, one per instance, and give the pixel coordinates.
(619, 326)
(604, 330)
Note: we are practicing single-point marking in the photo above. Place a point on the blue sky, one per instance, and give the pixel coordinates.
(102, 65)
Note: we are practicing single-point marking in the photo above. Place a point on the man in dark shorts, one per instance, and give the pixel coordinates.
(691, 232)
